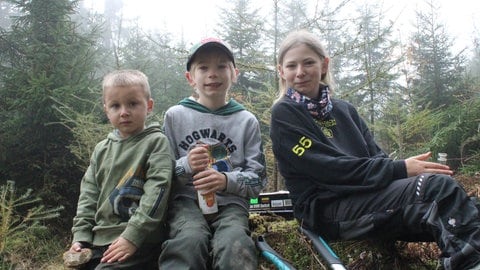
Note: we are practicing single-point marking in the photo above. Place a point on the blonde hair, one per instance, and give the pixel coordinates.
(127, 77)
(302, 37)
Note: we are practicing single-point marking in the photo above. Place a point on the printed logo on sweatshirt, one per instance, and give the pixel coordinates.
(125, 198)
(207, 134)
(326, 127)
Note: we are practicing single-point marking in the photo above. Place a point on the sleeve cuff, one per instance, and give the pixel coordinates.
(399, 169)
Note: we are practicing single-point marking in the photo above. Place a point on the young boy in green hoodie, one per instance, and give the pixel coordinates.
(218, 150)
(124, 192)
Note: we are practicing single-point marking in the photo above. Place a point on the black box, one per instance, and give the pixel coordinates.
(278, 202)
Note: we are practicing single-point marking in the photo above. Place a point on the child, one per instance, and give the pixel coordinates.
(343, 185)
(218, 148)
(124, 192)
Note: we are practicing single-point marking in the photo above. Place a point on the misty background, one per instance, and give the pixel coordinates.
(412, 75)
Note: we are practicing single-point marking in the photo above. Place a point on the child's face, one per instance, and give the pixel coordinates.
(302, 70)
(127, 108)
(212, 74)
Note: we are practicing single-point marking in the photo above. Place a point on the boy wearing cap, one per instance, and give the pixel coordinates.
(218, 150)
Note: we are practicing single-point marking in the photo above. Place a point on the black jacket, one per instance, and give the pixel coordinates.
(331, 158)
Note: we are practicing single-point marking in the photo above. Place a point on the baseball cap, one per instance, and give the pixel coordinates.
(210, 42)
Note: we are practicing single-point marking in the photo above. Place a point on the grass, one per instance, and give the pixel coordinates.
(38, 248)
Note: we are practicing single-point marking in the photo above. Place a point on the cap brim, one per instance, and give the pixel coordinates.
(212, 44)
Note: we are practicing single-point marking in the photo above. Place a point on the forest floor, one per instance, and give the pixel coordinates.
(283, 236)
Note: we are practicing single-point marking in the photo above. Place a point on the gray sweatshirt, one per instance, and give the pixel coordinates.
(231, 126)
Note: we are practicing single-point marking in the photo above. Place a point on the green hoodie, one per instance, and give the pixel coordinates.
(125, 189)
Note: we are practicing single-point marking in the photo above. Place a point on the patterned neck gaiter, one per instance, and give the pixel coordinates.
(319, 109)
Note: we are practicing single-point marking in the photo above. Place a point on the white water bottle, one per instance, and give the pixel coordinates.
(442, 158)
(207, 202)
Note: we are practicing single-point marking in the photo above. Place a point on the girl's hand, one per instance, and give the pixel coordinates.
(417, 165)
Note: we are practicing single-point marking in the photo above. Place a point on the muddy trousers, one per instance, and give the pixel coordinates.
(423, 208)
(224, 242)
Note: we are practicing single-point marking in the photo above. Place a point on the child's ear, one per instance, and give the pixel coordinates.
(106, 112)
(236, 72)
(150, 103)
(326, 60)
(280, 71)
(190, 80)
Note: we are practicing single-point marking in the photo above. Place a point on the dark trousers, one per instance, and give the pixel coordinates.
(424, 208)
(145, 258)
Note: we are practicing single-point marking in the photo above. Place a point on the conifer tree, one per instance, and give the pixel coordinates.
(43, 59)
(438, 72)
(243, 29)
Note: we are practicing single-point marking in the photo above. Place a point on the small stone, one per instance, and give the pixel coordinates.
(74, 259)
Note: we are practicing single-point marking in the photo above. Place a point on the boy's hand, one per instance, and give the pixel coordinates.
(198, 159)
(76, 247)
(210, 181)
(77, 255)
(120, 250)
